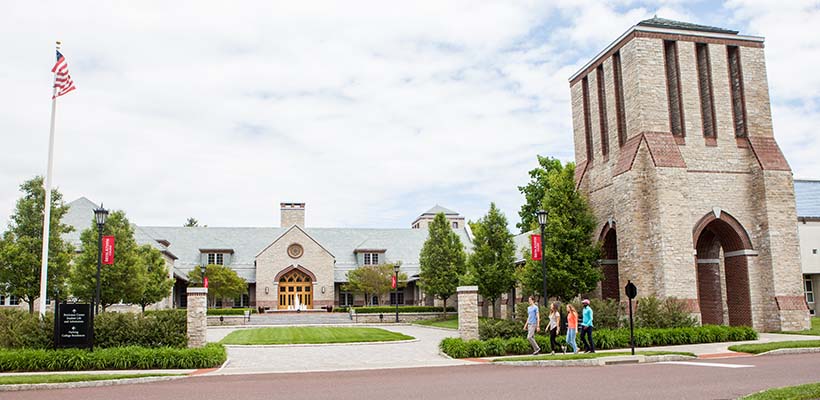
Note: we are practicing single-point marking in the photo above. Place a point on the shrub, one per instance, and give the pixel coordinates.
(496, 347)
(499, 328)
(608, 314)
(21, 330)
(454, 347)
(476, 348)
(402, 309)
(230, 311)
(132, 357)
(164, 328)
(668, 313)
(518, 346)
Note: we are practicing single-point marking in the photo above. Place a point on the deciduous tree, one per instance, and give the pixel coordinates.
(373, 280)
(223, 282)
(442, 260)
(535, 190)
(157, 283)
(493, 257)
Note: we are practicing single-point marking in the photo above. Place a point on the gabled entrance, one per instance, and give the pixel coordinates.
(295, 290)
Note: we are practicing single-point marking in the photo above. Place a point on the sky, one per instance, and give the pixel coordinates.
(369, 112)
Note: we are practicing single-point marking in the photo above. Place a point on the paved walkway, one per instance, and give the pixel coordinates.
(723, 348)
(420, 353)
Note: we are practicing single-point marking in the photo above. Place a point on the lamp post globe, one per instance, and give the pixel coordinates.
(100, 216)
(542, 221)
(202, 274)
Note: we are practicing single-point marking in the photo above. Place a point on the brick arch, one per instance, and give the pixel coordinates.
(295, 267)
(610, 286)
(732, 234)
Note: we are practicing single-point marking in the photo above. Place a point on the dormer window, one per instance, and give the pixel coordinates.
(216, 258)
(371, 258)
(455, 225)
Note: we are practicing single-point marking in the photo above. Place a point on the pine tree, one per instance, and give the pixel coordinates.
(569, 250)
(125, 280)
(442, 260)
(493, 257)
(158, 284)
(22, 244)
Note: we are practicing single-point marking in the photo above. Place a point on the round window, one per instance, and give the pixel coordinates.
(295, 250)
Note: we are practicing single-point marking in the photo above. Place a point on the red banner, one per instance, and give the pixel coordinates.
(394, 281)
(535, 245)
(108, 250)
(205, 285)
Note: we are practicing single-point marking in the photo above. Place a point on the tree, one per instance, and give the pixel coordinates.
(157, 284)
(535, 191)
(493, 257)
(442, 260)
(22, 244)
(191, 222)
(223, 282)
(373, 280)
(125, 280)
(569, 250)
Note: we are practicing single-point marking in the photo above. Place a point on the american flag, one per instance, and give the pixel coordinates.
(62, 80)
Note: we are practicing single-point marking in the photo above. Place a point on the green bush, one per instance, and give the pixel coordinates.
(667, 313)
(230, 311)
(402, 309)
(500, 328)
(163, 328)
(608, 314)
(21, 330)
(132, 357)
(604, 339)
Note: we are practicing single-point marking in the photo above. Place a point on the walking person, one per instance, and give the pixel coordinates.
(586, 328)
(555, 320)
(532, 325)
(572, 327)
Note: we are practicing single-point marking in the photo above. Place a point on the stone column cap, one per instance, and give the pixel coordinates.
(197, 290)
(467, 289)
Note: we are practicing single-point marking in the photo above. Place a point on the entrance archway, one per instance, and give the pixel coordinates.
(723, 248)
(610, 286)
(295, 289)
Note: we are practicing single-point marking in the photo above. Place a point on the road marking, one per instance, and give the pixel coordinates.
(705, 364)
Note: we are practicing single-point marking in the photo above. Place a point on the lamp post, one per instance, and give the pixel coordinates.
(100, 215)
(542, 220)
(202, 273)
(396, 267)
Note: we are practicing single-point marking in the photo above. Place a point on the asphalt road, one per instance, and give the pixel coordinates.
(643, 382)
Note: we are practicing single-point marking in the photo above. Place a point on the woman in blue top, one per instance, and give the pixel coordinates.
(586, 328)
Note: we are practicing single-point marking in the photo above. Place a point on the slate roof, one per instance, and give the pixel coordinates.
(807, 196)
(672, 24)
(439, 209)
(185, 242)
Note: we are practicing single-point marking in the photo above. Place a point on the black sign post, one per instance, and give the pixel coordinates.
(631, 292)
(75, 326)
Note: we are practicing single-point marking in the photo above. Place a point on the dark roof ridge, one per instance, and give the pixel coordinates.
(658, 22)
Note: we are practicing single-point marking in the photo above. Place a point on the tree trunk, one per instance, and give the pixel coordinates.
(444, 309)
(143, 308)
(30, 306)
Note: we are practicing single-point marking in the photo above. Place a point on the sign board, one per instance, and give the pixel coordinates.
(535, 245)
(108, 250)
(74, 325)
(631, 290)
(205, 283)
(393, 283)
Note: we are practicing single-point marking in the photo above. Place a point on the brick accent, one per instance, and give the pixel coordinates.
(791, 303)
(580, 169)
(737, 291)
(710, 300)
(610, 287)
(664, 150)
(768, 153)
(627, 155)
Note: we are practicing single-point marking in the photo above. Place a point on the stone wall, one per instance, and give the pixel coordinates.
(197, 316)
(468, 312)
(391, 317)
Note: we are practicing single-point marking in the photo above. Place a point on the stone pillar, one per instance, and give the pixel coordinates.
(197, 316)
(468, 312)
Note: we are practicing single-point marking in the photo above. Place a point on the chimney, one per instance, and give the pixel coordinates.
(292, 214)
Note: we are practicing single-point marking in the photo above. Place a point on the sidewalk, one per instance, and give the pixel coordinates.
(722, 348)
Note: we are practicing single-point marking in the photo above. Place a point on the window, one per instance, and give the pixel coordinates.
(371, 258)
(599, 79)
(809, 291)
(14, 300)
(736, 88)
(455, 225)
(374, 300)
(345, 299)
(216, 258)
(707, 104)
(587, 122)
(393, 298)
(813, 251)
(619, 98)
(670, 54)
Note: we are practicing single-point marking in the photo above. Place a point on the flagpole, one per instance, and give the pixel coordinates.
(47, 206)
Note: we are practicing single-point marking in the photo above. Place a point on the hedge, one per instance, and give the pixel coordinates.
(392, 309)
(230, 311)
(605, 339)
(118, 358)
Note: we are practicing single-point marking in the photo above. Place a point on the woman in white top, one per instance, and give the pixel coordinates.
(553, 327)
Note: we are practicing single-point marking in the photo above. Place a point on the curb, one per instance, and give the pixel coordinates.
(246, 346)
(597, 362)
(85, 384)
(796, 350)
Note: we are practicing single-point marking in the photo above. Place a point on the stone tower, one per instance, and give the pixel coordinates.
(675, 150)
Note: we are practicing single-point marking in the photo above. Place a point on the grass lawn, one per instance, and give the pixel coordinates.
(449, 323)
(764, 347)
(586, 356)
(311, 334)
(61, 378)
(814, 331)
(802, 392)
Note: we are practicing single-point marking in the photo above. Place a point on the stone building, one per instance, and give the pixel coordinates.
(675, 150)
(286, 267)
